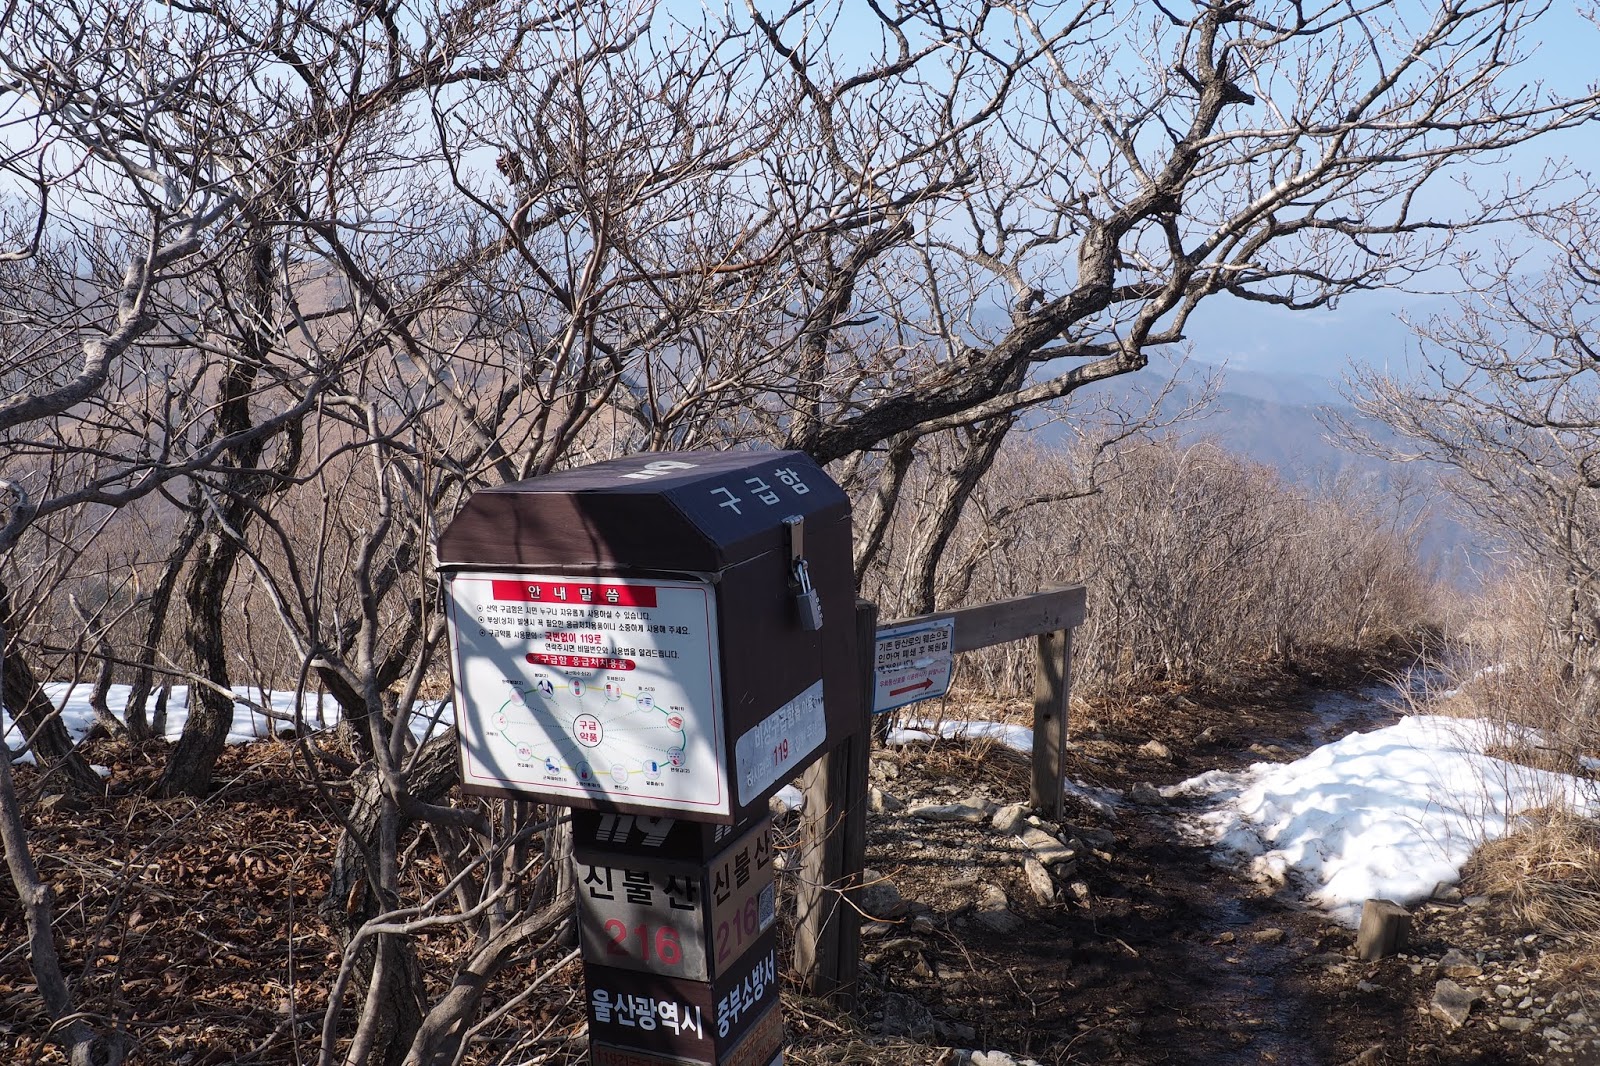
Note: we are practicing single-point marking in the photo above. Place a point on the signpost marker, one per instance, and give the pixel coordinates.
(642, 640)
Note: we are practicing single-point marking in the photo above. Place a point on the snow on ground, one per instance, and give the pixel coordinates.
(1387, 814)
(256, 714)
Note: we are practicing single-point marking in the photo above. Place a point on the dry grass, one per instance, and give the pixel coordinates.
(857, 1052)
(1548, 873)
(1001, 769)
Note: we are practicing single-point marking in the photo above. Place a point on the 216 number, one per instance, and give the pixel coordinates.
(746, 925)
(668, 949)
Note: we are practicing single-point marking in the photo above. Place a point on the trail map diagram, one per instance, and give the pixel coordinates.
(601, 688)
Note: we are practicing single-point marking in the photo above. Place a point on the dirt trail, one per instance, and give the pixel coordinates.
(1151, 952)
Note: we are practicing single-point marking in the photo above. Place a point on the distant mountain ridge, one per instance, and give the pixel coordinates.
(1282, 421)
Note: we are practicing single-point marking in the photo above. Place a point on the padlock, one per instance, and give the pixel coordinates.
(806, 598)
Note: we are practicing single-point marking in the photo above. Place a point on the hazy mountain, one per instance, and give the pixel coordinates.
(1282, 420)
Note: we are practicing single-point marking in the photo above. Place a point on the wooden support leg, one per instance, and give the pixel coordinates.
(1385, 929)
(827, 941)
(1051, 692)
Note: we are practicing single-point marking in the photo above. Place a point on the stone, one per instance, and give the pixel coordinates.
(1039, 880)
(1002, 922)
(997, 1058)
(1063, 871)
(879, 899)
(1455, 964)
(1100, 838)
(1046, 848)
(1080, 891)
(1012, 818)
(883, 802)
(1156, 750)
(1146, 793)
(903, 1015)
(1451, 1003)
(63, 803)
(948, 812)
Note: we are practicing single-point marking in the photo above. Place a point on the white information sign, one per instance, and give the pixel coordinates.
(569, 687)
(771, 748)
(913, 663)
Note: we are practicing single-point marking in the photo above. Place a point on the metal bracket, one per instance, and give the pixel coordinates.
(795, 526)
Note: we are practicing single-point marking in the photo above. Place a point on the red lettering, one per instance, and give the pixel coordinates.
(569, 591)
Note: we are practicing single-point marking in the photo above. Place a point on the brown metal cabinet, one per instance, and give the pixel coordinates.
(642, 635)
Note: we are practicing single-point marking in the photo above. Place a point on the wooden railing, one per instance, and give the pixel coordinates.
(833, 836)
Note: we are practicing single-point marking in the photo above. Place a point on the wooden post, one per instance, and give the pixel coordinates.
(1385, 929)
(1052, 689)
(833, 842)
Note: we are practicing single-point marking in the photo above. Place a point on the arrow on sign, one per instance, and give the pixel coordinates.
(927, 683)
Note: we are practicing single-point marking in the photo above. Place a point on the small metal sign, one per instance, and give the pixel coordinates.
(769, 753)
(637, 916)
(912, 663)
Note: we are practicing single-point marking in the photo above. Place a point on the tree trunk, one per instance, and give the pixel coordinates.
(446, 1026)
(938, 523)
(84, 1046)
(225, 518)
(355, 895)
(885, 501)
(194, 756)
(160, 604)
(41, 726)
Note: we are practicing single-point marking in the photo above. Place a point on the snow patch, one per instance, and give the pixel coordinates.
(1387, 814)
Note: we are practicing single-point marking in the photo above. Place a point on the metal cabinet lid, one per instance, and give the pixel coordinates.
(681, 511)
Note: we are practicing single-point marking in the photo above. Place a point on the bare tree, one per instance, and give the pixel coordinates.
(338, 267)
(1076, 181)
(1507, 399)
